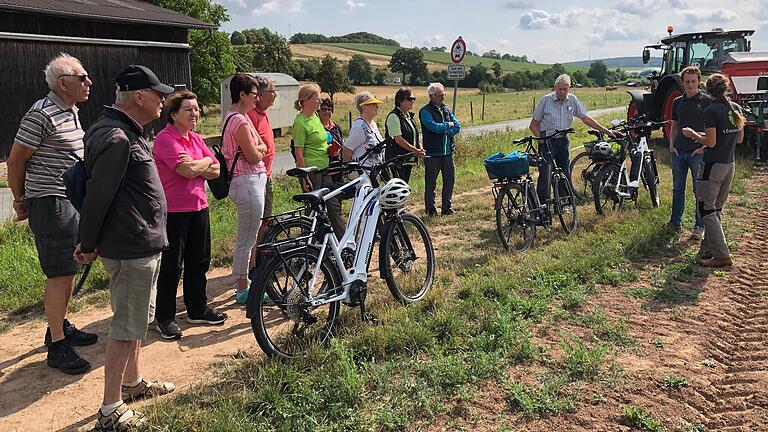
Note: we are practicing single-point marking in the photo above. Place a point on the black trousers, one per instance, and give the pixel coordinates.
(433, 166)
(189, 249)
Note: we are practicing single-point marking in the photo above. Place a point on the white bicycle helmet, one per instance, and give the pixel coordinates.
(394, 194)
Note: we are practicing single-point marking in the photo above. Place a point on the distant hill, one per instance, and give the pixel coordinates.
(620, 62)
(359, 37)
(442, 58)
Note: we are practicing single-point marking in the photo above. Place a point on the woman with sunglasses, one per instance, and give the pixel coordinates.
(400, 131)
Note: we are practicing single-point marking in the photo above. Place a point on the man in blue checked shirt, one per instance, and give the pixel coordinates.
(439, 127)
(556, 111)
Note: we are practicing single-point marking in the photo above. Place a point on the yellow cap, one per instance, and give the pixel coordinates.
(371, 101)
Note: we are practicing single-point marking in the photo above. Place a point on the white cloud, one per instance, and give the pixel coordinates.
(697, 16)
(435, 40)
(352, 4)
(539, 19)
(517, 4)
(290, 7)
(616, 32)
(404, 39)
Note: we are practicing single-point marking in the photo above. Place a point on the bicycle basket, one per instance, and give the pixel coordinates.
(514, 164)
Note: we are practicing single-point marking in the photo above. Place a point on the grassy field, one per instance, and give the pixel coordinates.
(482, 324)
(444, 58)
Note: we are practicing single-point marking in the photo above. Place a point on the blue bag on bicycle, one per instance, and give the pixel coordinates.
(514, 164)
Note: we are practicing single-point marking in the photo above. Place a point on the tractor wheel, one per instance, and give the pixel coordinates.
(666, 114)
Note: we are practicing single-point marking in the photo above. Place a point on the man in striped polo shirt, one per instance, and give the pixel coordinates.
(556, 111)
(49, 137)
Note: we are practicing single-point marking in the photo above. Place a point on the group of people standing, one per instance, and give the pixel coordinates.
(145, 212)
(318, 141)
(704, 131)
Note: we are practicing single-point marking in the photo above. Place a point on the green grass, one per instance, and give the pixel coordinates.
(640, 418)
(674, 382)
(551, 397)
(444, 58)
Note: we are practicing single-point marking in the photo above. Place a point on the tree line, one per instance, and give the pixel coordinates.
(359, 37)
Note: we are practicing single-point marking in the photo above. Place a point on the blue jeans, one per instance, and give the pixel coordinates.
(681, 163)
(560, 149)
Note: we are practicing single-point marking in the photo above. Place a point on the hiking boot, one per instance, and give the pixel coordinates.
(169, 330)
(716, 262)
(432, 213)
(703, 254)
(448, 212)
(73, 336)
(210, 316)
(63, 357)
(673, 227)
(697, 233)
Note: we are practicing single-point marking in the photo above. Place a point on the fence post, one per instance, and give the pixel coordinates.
(482, 113)
(350, 120)
(533, 108)
(471, 113)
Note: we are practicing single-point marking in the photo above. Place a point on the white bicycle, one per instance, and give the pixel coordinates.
(308, 277)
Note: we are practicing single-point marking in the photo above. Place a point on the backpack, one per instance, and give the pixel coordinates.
(220, 185)
(75, 178)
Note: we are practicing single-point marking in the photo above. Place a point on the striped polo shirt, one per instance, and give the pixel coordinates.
(554, 114)
(53, 132)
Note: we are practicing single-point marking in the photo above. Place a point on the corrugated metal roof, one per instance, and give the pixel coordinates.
(105, 10)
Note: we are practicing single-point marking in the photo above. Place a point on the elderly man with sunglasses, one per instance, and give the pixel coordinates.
(49, 141)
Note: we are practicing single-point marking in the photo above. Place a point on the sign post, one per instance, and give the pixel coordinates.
(456, 70)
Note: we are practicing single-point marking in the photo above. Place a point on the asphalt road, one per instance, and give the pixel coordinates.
(284, 160)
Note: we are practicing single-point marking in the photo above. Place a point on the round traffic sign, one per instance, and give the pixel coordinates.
(458, 50)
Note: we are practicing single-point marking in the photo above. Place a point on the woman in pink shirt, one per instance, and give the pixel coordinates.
(242, 147)
(184, 162)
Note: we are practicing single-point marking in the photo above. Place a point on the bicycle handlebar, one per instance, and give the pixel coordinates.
(554, 134)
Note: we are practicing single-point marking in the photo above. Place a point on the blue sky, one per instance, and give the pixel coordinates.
(546, 31)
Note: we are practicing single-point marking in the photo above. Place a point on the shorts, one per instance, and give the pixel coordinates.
(132, 293)
(55, 224)
(268, 199)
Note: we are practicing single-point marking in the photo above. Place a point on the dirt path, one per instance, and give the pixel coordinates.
(35, 397)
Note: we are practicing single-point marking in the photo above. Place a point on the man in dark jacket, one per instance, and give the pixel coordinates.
(123, 220)
(439, 127)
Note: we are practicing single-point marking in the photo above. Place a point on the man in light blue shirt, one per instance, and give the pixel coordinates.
(556, 111)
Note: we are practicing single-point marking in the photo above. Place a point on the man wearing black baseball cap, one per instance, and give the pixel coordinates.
(123, 220)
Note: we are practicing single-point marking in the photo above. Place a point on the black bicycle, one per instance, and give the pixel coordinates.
(518, 208)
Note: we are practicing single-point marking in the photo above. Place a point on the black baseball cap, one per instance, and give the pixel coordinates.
(138, 77)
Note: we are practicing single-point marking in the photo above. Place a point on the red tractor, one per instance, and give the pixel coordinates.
(708, 51)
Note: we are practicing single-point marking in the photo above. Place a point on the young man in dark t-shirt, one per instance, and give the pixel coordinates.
(685, 154)
(724, 128)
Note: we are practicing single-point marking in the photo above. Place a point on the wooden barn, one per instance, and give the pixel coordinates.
(106, 35)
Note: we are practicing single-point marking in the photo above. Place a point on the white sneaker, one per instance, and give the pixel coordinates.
(697, 233)
(633, 184)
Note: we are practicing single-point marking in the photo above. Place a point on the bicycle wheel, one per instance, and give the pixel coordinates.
(407, 258)
(513, 219)
(287, 329)
(651, 179)
(604, 188)
(287, 229)
(565, 203)
(582, 173)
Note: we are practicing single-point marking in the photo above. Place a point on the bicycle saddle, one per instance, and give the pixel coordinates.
(312, 198)
(300, 172)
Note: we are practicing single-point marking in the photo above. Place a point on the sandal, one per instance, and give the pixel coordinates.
(112, 422)
(147, 389)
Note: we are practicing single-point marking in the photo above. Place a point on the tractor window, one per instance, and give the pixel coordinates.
(709, 54)
(674, 58)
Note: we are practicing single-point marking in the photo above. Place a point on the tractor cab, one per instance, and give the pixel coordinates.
(707, 50)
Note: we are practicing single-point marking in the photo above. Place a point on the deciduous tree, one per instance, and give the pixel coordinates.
(332, 78)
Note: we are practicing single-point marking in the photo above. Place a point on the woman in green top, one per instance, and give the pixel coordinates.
(310, 140)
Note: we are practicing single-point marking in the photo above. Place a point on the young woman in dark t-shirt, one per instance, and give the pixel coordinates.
(724, 128)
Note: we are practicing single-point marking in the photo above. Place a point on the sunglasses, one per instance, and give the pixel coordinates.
(82, 78)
